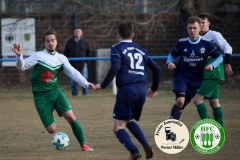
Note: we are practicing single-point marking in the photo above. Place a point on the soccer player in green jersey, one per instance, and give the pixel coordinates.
(47, 95)
(211, 83)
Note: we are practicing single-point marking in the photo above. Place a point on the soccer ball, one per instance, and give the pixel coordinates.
(60, 141)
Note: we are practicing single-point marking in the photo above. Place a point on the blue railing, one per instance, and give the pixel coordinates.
(97, 58)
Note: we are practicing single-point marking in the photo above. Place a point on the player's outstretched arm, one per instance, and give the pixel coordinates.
(23, 64)
(110, 75)
(71, 72)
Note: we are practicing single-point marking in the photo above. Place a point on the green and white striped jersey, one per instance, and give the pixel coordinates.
(46, 67)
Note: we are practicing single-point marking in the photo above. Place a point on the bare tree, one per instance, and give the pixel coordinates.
(191, 8)
(148, 13)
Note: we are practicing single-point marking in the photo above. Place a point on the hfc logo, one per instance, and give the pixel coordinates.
(207, 136)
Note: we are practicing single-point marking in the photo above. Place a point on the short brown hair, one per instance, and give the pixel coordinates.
(194, 19)
(125, 29)
(49, 31)
(205, 15)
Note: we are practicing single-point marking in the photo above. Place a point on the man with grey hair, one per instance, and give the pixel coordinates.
(77, 46)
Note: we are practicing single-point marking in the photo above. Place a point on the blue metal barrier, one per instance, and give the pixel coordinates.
(98, 58)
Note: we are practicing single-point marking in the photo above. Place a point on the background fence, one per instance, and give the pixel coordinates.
(166, 75)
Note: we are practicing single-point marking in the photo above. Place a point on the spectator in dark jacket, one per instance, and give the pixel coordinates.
(77, 46)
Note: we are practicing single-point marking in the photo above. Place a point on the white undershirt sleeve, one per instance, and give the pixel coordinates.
(222, 43)
(24, 64)
(74, 74)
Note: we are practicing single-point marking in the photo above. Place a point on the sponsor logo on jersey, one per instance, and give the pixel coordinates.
(192, 54)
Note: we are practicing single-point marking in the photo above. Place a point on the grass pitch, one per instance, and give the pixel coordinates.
(23, 137)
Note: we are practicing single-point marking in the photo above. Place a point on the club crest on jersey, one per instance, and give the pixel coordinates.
(202, 50)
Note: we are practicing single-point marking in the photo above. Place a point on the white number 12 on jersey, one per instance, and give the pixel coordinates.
(139, 58)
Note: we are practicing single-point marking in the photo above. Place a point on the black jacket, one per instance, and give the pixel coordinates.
(77, 49)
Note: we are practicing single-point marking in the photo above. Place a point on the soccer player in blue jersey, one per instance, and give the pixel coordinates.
(193, 53)
(129, 64)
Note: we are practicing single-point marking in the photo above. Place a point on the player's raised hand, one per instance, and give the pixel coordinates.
(151, 93)
(208, 67)
(171, 66)
(92, 86)
(17, 49)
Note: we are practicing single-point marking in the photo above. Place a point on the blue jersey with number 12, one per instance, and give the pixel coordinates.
(134, 61)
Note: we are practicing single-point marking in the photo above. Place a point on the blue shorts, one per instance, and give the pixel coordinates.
(129, 102)
(180, 85)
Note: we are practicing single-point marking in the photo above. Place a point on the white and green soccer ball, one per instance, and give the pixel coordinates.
(60, 141)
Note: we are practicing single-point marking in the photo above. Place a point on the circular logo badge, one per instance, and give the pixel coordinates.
(171, 136)
(207, 136)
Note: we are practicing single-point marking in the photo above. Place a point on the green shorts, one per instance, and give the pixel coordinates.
(45, 104)
(210, 89)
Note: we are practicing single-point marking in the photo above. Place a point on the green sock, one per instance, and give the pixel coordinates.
(202, 111)
(78, 131)
(218, 115)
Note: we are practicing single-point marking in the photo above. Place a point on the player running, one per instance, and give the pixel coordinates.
(192, 52)
(47, 95)
(129, 64)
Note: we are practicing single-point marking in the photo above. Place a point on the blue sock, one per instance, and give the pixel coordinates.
(175, 112)
(137, 132)
(124, 138)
